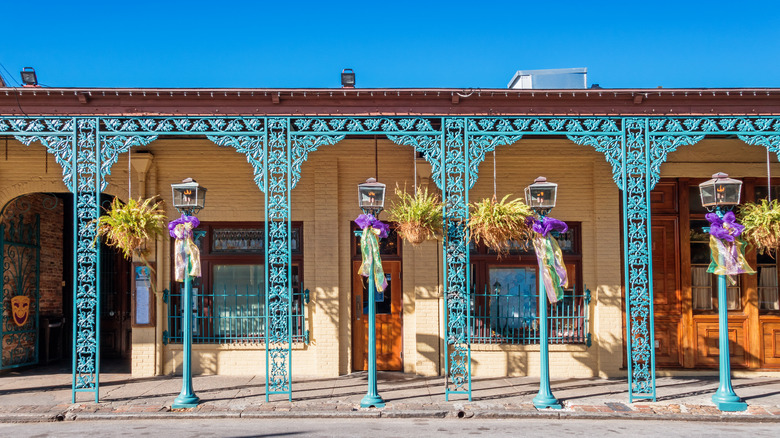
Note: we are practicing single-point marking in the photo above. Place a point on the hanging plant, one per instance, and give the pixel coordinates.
(498, 223)
(131, 226)
(762, 225)
(419, 215)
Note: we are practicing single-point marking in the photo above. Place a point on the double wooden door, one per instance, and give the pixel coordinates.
(388, 320)
(685, 295)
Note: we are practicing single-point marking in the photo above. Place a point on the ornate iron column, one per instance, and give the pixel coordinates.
(456, 258)
(278, 302)
(88, 179)
(637, 243)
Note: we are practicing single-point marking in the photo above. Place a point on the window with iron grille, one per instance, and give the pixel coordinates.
(505, 296)
(229, 297)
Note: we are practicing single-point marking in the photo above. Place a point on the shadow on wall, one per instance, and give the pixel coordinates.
(326, 303)
(428, 348)
(204, 362)
(606, 356)
(514, 363)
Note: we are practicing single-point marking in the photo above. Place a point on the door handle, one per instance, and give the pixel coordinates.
(358, 307)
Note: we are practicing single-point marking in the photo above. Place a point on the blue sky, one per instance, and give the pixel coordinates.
(460, 44)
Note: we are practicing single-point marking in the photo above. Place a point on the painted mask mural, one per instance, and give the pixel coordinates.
(20, 306)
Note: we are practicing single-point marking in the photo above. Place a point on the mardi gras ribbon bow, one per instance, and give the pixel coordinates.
(181, 230)
(369, 248)
(550, 257)
(727, 251)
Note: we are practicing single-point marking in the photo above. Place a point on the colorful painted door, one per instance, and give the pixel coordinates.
(20, 249)
(388, 320)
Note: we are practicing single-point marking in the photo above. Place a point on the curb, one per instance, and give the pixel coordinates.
(311, 414)
(22, 417)
(89, 416)
(77, 415)
(418, 414)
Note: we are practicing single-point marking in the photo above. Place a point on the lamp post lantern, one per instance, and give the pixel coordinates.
(189, 197)
(371, 198)
(721, 194)
(541, 197)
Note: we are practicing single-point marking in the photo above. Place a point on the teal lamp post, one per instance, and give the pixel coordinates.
(721, 194)
(371, 198)
(540, 196)
(188, 198)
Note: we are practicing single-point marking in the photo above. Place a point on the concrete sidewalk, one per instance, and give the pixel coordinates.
(44, 394)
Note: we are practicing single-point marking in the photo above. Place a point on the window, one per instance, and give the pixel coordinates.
(703, 284)
(505, 294)
(229, 298)
(238, 300)
(766, 268)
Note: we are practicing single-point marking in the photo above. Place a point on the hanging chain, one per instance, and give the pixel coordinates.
(129, 174)
(376, 159)
(414, 158)
(494, 174)
(768, 178)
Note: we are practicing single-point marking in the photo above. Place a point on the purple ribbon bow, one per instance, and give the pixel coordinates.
(184, 219)
(546, 224)
(366, 220)
(726, 228)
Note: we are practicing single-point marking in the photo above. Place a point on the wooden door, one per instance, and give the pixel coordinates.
(388, 320)
(667, 300)
(115, 322)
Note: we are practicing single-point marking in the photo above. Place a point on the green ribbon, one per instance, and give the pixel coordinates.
(728, 258)
(369, 248)
(183, 247)
(551, 266)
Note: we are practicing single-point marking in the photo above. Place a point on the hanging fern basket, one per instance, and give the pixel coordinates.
(762, 225)
(498, 223)
(418, 215)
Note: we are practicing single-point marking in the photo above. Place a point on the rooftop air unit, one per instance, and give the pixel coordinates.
(555, 79)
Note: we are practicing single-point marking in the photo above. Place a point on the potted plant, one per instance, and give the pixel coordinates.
(498, 223)
(130, 226)
(762, 225)
(419, 215)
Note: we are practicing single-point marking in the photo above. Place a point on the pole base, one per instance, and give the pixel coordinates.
(728, 402)
(374, 401)
(542, 401)
(731, 406)
(184, 401)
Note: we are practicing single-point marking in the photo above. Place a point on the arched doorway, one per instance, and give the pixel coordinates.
(36, 253)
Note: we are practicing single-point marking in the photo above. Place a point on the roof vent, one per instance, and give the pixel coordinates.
(552, 79)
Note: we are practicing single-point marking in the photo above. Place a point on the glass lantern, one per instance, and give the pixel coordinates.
(541, 194)
(371, 196)
(720, 191)
(188, 197)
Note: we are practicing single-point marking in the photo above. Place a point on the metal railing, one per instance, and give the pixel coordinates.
(231, 317)
(514, 318)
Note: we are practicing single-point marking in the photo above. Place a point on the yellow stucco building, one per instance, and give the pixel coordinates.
(417, 328)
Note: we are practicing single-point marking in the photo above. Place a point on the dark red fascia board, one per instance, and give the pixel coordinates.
(387, 102)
